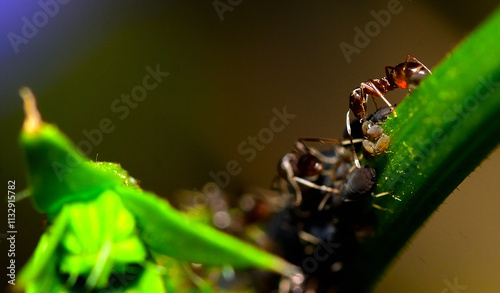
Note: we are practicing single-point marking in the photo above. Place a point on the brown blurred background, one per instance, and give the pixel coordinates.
(230, 63)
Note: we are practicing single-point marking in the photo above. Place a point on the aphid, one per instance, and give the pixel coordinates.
(376, 141)
(359, 184)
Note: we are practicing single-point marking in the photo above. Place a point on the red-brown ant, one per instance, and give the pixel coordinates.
(407, 75)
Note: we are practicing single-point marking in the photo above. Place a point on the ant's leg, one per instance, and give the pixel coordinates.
(379, 207)
(381, 194)
(348, 123)
(342, 142)
(309, 238)
(315, 152)
(315, 186)
(337, 143)
(370, 86)
(324, 201)
(285, 164)
(357, 102)
(349, 131)
(331, 140)
(356, 160)
(410, 57)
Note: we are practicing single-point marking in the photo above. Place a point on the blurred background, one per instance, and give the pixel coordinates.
(226, 68)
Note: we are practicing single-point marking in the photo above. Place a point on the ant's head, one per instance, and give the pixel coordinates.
(407, 75)
(309, 166)
(357, 101)
(306, 166)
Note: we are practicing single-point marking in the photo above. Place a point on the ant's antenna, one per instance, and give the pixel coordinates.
(348, 126)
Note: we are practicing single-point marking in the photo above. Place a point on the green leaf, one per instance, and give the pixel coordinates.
(57, 172)
(168, 232)
(102, 223)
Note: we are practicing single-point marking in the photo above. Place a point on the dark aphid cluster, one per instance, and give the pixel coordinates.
(374, 140)
(329, 211)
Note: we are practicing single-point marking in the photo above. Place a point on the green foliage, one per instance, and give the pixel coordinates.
(57, 170)
(106, 234)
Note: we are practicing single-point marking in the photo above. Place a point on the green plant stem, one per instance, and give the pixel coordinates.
(441, 133)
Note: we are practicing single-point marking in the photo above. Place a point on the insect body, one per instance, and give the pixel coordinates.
(302, 169)
(308, 170)
(330, 219)
(359, 184)
(407, 75)
(375, 140)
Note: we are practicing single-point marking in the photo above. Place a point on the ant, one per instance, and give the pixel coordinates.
(407, 75)
(306, 165)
